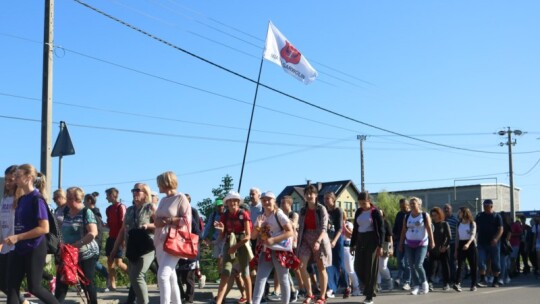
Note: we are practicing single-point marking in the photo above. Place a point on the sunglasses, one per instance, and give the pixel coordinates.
(135, 190)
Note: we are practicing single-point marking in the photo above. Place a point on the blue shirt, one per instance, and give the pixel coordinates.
(214, 217)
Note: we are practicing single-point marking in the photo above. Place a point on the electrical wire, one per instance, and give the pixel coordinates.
(276, 90)
(530, 170)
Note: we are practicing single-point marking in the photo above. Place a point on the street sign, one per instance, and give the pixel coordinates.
(63, 145)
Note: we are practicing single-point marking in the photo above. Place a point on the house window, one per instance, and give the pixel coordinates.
(349, 209)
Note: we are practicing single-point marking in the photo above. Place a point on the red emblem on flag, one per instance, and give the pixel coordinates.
(290, 53)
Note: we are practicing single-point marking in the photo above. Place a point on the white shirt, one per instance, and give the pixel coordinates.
(7, 222)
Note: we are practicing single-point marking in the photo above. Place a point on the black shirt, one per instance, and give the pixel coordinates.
(335, 222)
(487, 226)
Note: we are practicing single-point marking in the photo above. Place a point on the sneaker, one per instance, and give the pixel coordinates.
(274, 296)
(330, 294)
(242, 300)
(495, 284)
(347, 293)
(425, 288)
(368, 301)
(481, 284)
(473, 288)
(457, 287)
(414, 290)
(507, 281)
(202, 281)
(294, 296)
(106, 289)
(406, 286)
(397, 282)
(356, 292)
(52, 285)
(430, 286)
(446, 287)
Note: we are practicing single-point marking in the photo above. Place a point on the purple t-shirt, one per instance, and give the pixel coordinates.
(27, 215)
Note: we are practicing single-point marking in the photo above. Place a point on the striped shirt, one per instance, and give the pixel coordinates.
(453, 222)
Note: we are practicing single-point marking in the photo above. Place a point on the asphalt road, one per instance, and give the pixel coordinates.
(522, 290)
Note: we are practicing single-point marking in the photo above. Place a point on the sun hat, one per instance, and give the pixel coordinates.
(232, 195)
(268, 194)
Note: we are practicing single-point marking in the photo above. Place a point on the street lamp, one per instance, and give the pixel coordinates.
(510, 143)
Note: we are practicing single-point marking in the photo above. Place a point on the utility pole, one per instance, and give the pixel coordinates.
(362, 138)
(46, 93)
(510, 143)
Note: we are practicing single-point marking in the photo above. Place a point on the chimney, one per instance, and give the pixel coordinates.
(308, 182)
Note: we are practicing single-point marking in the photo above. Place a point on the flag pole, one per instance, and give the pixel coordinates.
(250, 123)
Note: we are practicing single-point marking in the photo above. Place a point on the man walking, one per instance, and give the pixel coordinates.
(115, 218)
(490, 229)
(452, 220)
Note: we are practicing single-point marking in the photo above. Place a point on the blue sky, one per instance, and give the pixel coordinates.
(450, 72)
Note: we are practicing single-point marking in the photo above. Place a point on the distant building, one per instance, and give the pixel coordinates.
(470, 196)
(345, 191)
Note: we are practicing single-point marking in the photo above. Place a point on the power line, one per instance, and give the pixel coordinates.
(276, 90)
(530, 170)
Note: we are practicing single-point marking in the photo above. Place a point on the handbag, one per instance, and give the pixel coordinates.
(181, 242)
(139, 243)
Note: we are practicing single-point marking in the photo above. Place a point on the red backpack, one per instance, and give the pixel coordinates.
(68, 268)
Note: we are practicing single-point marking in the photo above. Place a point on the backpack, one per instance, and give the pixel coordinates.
(99, 224)
(54, 237)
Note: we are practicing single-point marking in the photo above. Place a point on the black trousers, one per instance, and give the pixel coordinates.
(366, 261)
(186, 277)
(89, 269)
(471, 255)
(30, 264)
(443, 258)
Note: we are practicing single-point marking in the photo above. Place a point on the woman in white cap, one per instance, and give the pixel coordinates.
(235, 227)
(275, 230)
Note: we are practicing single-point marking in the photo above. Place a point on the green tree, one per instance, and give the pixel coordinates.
(389, 203)
(206, 206)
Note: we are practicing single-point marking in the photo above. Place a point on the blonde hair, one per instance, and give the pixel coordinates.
(58, 193)
(167, 180)
(417, 200)
(38, 179)
(146, 190)
(77, 192)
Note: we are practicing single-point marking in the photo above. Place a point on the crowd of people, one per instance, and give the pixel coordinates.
(326, 253)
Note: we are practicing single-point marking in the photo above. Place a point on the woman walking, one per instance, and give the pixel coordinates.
(170, 210)
(31, 225)
(466, 247)
(139, 220)
(313, 243)
(235, 226)
(366, 244)
(79, 229)
(276, 234)
(416, 237)
(440, 253)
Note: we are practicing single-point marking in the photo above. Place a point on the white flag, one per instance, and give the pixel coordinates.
(281, 52)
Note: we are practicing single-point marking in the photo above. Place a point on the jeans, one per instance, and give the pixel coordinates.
(494, 252)
(505, 263)
(337, 265)
(404, 272)
(416, 257)
(263, 271)
(102, 270)
(137, 276)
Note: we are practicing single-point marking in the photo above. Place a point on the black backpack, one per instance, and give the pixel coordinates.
(99, 224)
(54, 237)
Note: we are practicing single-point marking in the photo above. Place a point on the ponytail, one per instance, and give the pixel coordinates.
(41, 184)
